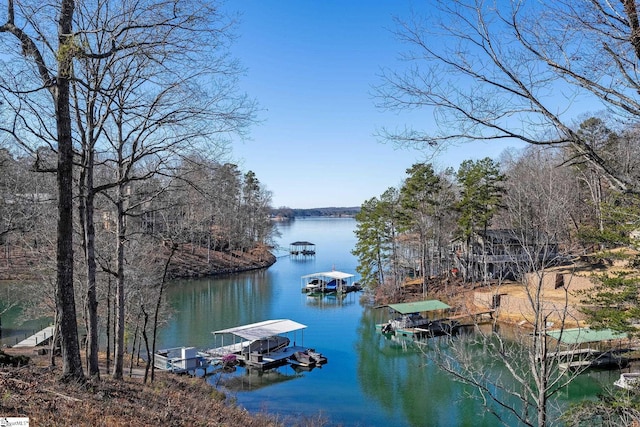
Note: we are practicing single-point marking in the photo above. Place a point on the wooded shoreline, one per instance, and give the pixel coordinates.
(33, 389)
(188, 262)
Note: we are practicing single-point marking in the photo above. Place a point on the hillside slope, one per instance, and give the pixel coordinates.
(187, 261)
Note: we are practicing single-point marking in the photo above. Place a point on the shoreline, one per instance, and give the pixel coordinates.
(188, 262)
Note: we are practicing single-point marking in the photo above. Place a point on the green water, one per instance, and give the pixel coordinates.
(368, 381)
(13, 326)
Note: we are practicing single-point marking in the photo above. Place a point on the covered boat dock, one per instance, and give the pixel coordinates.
(302, 248)
(328, 282)
(584, 348)
(419, 318)
(260, 345)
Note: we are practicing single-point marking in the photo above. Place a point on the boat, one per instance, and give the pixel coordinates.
(307, 358)
(610, 360)
(266, 345)
(329, 282)
(302, 358)
(314, 285)
(628, 380)
(318, 357)
(261, 345)
(405, 321)
(439, 328)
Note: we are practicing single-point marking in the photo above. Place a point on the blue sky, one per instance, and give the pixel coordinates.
(311, 66)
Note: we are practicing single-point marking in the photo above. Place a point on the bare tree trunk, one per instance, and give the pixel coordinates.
(86, 213)
(120, 320)
(541, 353)
(92, 300)
(152, 356)
(133, 348)
(54, 340)
(108, 329)
(65, 298)
(423, 263)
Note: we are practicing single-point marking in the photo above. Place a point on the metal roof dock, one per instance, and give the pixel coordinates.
(418, 306)
(265, 329)
(585, 335)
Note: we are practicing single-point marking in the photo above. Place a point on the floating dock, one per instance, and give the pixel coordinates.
(261, 345)
(329, 282)
(302, 248)
(40, 338)
(179, 360)
(411, 322)
(601, 351)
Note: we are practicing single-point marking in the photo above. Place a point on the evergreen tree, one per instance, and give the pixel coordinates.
(613, 303)
(419, 201)
(480, 198)
(376, 240)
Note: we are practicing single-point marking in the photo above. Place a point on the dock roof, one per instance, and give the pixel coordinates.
(331, 274)
(585, 335)
(265, 329)
(418, 306)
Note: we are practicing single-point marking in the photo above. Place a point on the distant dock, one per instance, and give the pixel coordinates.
(302, 248)
(329, 282)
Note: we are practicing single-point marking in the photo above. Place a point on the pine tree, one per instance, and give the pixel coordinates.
(419, 201)
(480, 199)
(376, 240)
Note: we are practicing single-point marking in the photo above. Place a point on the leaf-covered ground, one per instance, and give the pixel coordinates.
(35, 391)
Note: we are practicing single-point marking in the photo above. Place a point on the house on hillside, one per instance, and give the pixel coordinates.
(502, 254)
(410, 252)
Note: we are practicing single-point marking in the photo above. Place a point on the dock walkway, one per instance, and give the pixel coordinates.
(37, 339)
(474, 317)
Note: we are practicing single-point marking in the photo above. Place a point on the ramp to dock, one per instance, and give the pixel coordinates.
(39, 338)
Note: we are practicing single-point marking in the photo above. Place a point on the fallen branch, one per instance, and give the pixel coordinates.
(73, 399)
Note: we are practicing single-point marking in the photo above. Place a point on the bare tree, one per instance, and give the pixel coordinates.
(49, 65)
(514, 70)
(516, 375)
(154, 82)
(151, 81)
(541, 194)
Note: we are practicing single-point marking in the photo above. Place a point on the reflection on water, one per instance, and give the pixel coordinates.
(251, 379)
(368, 380)
(202, 306)
(393, 372)
(332, 300)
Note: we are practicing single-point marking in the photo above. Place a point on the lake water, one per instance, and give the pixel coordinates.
(368, 380)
